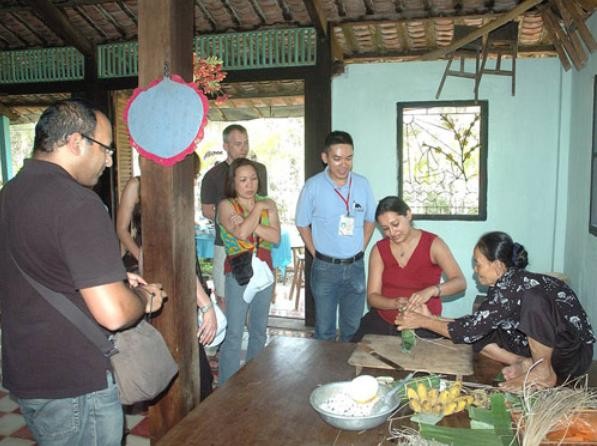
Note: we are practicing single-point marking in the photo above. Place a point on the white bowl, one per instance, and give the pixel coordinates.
(324, 393)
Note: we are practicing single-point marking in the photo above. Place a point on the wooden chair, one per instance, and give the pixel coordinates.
(501, 42)
(298, 279)
(469, 51)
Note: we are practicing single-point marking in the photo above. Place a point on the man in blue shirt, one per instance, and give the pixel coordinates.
(336, 216)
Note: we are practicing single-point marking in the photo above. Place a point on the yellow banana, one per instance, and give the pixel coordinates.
(432, 395)
(443, 397)
(437, 409)
(469, 399)
(422, 391)
(454, 391)
(450, 408)
(426, 407)
(415, 405)
(411, 393)
(461, 404)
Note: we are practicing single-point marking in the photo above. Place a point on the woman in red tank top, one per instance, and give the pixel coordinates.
(405, 270)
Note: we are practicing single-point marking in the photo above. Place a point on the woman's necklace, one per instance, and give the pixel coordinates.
(402, 250)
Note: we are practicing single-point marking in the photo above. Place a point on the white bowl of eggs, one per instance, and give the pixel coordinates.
(354, 405)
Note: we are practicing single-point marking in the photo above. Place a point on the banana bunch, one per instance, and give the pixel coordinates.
(425, 400)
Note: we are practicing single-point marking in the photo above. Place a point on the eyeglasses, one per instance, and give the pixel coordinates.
(108, 150)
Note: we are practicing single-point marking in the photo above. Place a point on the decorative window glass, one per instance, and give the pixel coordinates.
(442, 159)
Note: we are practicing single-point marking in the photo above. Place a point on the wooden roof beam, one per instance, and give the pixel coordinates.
(322, 27)
(572, 47)
(317, 16)
(59, 24)
(582, 27)
(8, 112)
(486, 29)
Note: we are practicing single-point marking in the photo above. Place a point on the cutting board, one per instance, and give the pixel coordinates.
(428, 355)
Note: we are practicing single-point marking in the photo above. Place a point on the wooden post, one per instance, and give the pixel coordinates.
(318, 123)
(166, 37)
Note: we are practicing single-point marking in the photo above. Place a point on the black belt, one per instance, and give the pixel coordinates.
(347, 261)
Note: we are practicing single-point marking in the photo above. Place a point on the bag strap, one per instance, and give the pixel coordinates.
(64, 306)
(71, 312)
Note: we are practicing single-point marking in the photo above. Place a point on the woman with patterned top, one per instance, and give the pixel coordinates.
(532, 322)
(405, 270)
(248, 223)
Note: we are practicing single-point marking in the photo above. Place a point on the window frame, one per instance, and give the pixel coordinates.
(483, 174)
(593, 197)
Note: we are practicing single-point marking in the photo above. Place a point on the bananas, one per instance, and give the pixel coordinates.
(430, 400)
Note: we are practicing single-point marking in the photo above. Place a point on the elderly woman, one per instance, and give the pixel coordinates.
(405, 270)
(248, 224)
(532, 322)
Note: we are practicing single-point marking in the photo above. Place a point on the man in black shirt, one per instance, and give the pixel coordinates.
(56, 229)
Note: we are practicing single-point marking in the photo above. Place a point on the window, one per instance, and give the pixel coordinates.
(593, 212)
(442, 159)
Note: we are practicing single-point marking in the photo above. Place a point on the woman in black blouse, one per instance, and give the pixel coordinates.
(526, 318)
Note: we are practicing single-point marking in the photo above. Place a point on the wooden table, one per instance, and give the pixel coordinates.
(267, 401)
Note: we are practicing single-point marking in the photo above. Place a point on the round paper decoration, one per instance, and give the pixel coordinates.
(166, 119)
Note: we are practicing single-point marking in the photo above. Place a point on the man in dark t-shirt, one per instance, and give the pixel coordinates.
(236, 144)
(56, 229)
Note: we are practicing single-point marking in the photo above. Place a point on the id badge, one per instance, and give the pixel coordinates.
(346, 226)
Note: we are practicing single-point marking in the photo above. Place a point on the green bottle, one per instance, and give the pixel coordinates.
(408, 340)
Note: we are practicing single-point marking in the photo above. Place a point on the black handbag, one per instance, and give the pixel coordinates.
(143, 366)
(242, 270)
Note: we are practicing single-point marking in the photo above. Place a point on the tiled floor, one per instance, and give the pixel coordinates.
(13, 431)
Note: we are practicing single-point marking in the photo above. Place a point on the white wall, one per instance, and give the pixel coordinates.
(524, 154)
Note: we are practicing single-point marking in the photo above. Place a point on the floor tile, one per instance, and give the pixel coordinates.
(7, 404)
(23, 433)
(9, 441)
(10, 423)
(141, 429)
(133, 420)
(133, 440)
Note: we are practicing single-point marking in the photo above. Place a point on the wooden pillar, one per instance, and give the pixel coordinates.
(166, 37)
(318, 123)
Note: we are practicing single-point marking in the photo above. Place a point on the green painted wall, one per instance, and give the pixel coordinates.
(527, 162)
(580, 253)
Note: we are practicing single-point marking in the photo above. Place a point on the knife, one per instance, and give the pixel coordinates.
(381, 358)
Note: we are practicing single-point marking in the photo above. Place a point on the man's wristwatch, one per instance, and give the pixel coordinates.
(206, 308)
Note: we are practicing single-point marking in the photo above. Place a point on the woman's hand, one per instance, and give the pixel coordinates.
(236, 219)
(400, 304)
(208, 328)
(135, 280)
(414, 319)
(421, 297)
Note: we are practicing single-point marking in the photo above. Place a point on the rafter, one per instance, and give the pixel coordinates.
(60, 25)
(43, 41)
(317, 16)
(109, 18)
(486, 29)
(127, 11)
(8, 112)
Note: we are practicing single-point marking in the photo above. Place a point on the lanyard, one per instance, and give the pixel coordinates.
(347, 199)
